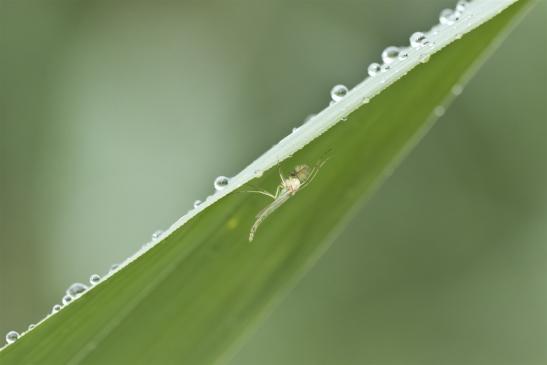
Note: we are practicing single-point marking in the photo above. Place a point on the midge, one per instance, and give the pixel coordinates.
(298, 179)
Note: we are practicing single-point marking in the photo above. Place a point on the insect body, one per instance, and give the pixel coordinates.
(299, 178)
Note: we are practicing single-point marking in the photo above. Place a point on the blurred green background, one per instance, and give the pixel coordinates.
(116, 116)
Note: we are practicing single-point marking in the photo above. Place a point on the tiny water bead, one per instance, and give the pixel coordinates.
(338, 92)
(418, 40)
(56, 308)
(12, 336)
(462, 5)
(157, 234)
(31, 326)
(76, 289)
(457, 89)
(373, 69)
(221, 182)
(114, 267)
(67, 299)
(449, 17)
(197, 203)
(385, 68)
(439, 111)
(390, 54)
(94, 279)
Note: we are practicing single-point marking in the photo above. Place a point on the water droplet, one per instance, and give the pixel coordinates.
(197, 203)
(457, 89)
(56, 308)
(157, 234)
(114, 267)
(67, 299)
(418, 40)
(449, 17)
(373, 69)
(94, 279)
(338, 92)
(31, 326)
(390, 54)
(221, 182)
(76, 289)
(403, 55)
(385, 68)
(462, 5)
(439, 111)
(12, 336)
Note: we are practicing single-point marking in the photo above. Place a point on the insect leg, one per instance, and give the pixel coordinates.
(313, 174)
(262, 192)
(278, 190)
(281, 175)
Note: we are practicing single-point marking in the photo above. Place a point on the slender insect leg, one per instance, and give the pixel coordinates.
(263, 193)
(313, 174)
(281, 175)
(278, 190)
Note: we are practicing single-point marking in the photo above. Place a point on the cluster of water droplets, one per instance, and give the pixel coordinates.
(390, 56)
(73, 292)
(219, 184)
(420, 44)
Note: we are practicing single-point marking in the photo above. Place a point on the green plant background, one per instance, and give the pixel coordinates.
(115, 117)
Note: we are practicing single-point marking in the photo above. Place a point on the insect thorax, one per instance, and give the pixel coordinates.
(292, 184)
(301, 172)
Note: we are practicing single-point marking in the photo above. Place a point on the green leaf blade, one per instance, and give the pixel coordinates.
(189, 298)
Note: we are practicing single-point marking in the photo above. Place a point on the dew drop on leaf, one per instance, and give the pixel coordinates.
(12, 336)
(373, 69)
(221, 182)
(439, 111)
(94, 279)
(67, 299)
(76, 289)
(418, 40)
(449, 17)
(462, 5)
(390, 54)
(157, 234)
(457, 89)
(338, 92)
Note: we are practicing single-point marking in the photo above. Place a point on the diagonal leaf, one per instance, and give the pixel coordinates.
(194, 293)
